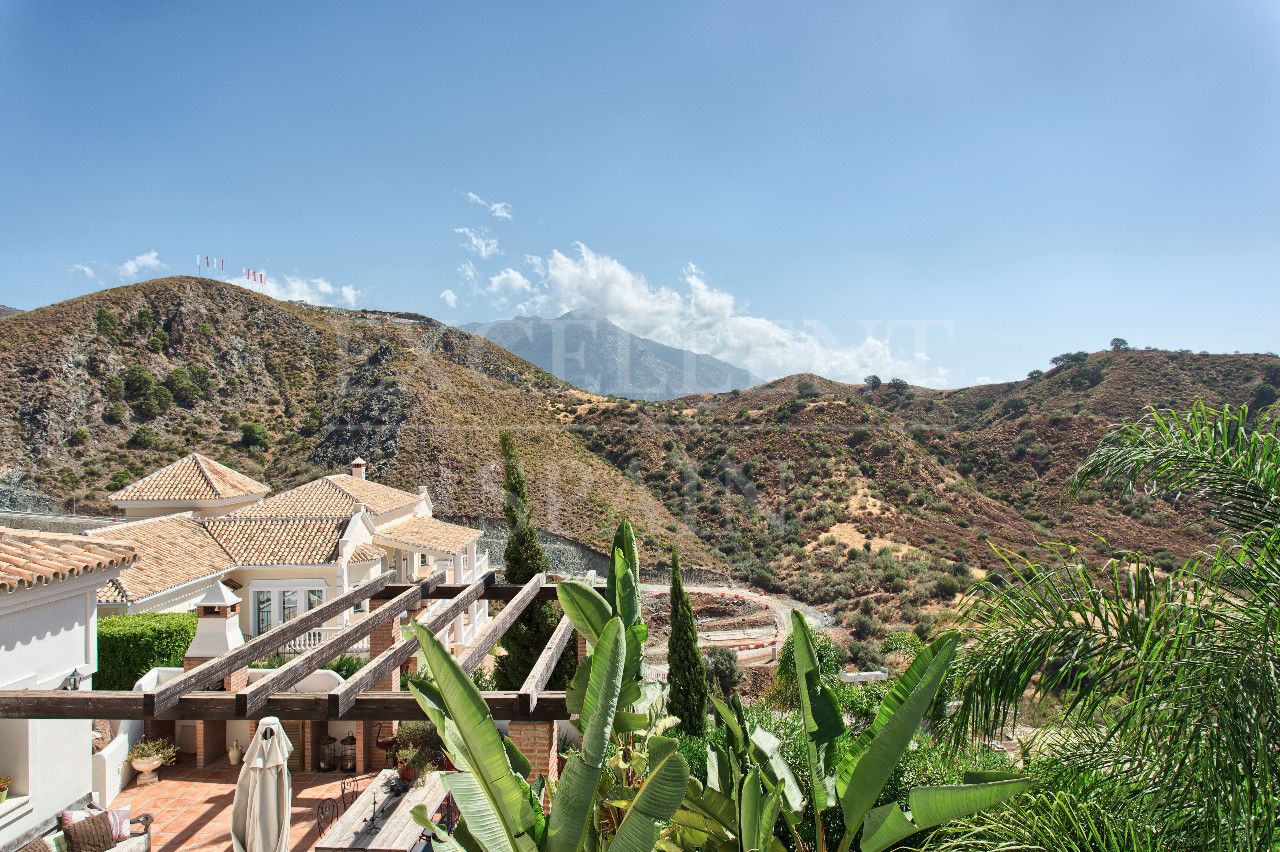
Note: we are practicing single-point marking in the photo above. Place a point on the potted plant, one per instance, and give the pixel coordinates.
(407, 761)
(147, 756)
(5, 781)
(418, 749)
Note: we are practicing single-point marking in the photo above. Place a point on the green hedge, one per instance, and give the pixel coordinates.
(129, 646)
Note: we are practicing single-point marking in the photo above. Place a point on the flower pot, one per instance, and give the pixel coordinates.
(4, 794)
(147, 766)
(406, 772)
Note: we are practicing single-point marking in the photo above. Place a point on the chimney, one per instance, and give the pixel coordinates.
(357, 467)
(217, 628)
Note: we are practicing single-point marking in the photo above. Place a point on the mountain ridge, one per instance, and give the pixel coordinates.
(586, 349)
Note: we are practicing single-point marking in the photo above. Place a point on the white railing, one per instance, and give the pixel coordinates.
(319, 635)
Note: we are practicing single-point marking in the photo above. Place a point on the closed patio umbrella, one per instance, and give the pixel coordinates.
(260, 814)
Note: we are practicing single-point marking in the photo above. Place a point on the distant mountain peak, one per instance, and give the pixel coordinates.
(587, 350)
(590, 312)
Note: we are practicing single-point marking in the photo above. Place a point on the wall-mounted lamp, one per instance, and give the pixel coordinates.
(72, 682)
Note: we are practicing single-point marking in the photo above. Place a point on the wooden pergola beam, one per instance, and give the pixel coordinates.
(67, 704)
(166, 695)
(343, 698)
(480, 647)
(531, 690)
(498, 592)
(252, 697)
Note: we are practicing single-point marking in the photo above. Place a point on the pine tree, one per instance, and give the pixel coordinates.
(524, 558)
(687, 677)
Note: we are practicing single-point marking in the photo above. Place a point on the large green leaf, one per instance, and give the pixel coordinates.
(586, 609)
(823, 721)
(572, 807)
(504, 792)
(626, 589)
(932, 806)
(766, 750)
(487, 823)
(624, 541)
(656, 802)
(881, 754)
(600, 702)
(903, 686)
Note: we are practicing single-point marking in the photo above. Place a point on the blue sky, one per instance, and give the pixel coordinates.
(948, 191)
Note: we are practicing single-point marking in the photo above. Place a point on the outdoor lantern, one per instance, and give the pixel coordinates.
(349, 752)
(328, 754)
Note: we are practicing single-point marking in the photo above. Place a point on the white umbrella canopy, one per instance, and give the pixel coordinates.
(260, 814)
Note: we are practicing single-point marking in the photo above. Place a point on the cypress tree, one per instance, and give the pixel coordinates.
(687, 677)
(523, 558)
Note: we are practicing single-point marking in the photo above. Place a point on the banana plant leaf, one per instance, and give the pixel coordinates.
(657, 800)
(823, 721)
(588, 611)
(766, 751)
(498, 808)
(573, 807)
(871, 770)
(932, 806)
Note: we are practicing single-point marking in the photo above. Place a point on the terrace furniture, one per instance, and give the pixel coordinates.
(394, 829)
(348, 792)
(139, 841)
(326, 813)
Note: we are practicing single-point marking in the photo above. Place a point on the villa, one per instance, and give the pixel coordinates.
(197, 523)
(48, 641)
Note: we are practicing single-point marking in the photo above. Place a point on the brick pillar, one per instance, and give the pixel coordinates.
(234, 682)
(582, 645)
(380, 640)
(537, 742)
(156, 728)
(315, 734)
(211, 741)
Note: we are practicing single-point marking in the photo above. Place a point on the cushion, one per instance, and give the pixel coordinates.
(36, 845)
(90, 835)
(119, 820)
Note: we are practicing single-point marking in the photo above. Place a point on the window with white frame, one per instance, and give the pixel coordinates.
(274, 602)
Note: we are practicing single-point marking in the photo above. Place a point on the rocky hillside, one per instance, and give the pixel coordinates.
(588, 351)
(104, 388)
(881, 503)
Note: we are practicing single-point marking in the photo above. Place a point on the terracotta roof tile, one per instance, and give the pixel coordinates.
(431, 533)
(31, 558)
(332, 496)
(192, 477)
(279, 541)
(367, 553)
(175, 549)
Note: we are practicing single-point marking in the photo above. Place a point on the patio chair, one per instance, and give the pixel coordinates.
(349, 792)
(326, 814)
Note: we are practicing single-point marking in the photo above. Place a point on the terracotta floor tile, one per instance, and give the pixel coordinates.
(192, 807)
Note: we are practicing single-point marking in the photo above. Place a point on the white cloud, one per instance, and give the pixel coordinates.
(537, 264)
(509, 283)
(705, 319)
(130, 268)
(498, 209)
(292, 288)
(467, 272)
(450, 298)
(478, 241)
(84, 269)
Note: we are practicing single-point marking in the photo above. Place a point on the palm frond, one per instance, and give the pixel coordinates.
(1220, 455)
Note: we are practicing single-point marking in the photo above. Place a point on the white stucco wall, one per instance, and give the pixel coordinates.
(45, 633)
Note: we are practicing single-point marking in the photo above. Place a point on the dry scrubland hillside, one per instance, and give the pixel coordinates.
(881, 505)
(421, 401)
